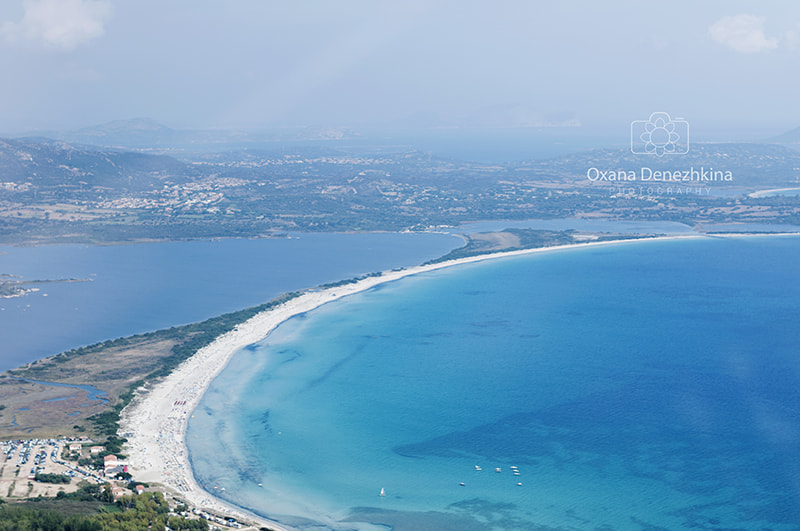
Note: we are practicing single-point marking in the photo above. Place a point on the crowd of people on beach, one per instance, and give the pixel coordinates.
(156, 423)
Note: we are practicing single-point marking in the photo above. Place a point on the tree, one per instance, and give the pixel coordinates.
(106, 495)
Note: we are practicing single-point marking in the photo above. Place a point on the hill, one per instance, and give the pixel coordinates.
(148, 135)
(50, 163)
(51, 190)
(789, 137)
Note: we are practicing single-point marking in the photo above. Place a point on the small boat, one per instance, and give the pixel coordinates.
(462, 483)
(498, 469)
(478, 468)
(383, 492)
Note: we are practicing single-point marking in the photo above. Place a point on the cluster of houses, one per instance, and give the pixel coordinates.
(112, 467)
(118, 492)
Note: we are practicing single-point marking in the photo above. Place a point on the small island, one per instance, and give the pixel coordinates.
(12, 286)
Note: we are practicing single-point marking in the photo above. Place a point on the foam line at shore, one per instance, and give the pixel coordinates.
(155, 421)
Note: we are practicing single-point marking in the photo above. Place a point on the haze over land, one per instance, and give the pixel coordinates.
(317, 149)
(54, 191)
(266, 118)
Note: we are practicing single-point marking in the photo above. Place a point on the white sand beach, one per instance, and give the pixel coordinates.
(155, 422)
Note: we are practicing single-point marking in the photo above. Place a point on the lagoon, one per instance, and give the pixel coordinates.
(144, 287)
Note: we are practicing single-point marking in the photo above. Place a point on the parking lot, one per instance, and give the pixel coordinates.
(20, 461)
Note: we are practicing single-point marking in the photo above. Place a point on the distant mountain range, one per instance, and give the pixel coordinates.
(51, 190)
(46, 162)
(789, 137)
(147, 134)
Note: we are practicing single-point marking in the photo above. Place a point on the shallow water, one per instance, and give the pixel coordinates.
(646, 385)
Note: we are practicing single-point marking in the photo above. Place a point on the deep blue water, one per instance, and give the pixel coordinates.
(144, 287)
(647, 385)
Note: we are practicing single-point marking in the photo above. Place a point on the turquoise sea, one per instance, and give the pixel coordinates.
(647, 385)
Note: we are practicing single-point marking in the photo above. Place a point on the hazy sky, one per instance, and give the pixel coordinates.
(261, 63)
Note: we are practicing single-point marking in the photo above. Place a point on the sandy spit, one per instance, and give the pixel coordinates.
(155, 421)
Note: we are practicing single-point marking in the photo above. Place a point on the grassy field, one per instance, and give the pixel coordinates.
(35, 410)
(117, 367)
(515, 239)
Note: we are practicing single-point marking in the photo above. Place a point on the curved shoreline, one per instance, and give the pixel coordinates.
(157, 418)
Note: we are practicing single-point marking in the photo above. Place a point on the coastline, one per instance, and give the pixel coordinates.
(155, 422)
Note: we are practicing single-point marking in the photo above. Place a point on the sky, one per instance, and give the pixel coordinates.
(255, 64)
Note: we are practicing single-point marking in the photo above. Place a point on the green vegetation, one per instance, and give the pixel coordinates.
(523, 239)
(53, 478)
(191, 338)
(202, 334)
(529, 238)
(257, 194)
(122, 365)
(199, 335)
(348, 281)
(93, 509)
(517, 239)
